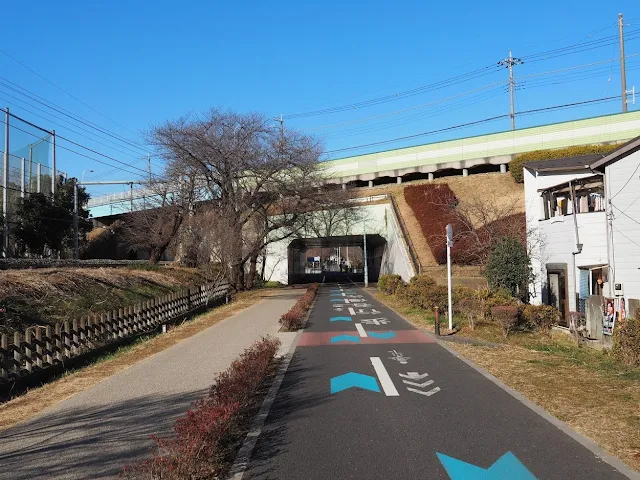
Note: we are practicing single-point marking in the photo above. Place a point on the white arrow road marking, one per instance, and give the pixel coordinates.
(352, 311)
(428, 394)
(385, 380)
(360, 329)
(421, 385)
(414, 375)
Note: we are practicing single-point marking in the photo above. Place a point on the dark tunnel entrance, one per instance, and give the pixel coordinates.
(334, 259)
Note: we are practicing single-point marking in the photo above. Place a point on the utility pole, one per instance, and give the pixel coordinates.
(281, 120)
(76, 247)
(509, 63)
(366, 267)
(623, 68)
(53, 163)
(5, 188)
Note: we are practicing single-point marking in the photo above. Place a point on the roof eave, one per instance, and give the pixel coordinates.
(625, 150)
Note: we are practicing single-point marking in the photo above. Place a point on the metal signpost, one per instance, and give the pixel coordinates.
(449, 245)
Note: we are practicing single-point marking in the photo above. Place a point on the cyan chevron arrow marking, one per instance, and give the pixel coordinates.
(345, 294)
(353, 379)
(382, 335)
(345, 338)
(506, 467)
(341, 319)
(337, 299)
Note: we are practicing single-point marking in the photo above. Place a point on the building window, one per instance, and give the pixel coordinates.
(581, 195)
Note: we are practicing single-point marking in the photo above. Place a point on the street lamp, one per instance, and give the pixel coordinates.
(90, 171)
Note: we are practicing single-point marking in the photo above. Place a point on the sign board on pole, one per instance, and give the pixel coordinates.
(449, 235)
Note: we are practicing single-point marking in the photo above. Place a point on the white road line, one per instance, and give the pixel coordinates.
(352, 311)
(360, 329)
(385, 380)
(428, 394)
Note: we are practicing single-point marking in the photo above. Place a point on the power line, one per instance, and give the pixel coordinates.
(476, 122)
(63, 90)
(623, 213)
(66, 127)
(36, 98)
(399, 95)
(435, 102)
(81, 154)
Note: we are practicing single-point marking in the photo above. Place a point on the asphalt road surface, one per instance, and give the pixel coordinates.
(368, 396)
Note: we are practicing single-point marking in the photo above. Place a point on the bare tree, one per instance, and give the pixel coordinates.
(260, 183)
(168, 201)
(478, 223)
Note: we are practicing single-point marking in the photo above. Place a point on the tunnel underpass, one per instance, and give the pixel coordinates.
(333, 259)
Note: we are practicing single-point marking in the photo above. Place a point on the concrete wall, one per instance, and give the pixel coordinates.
(395, 259)
(379, 219)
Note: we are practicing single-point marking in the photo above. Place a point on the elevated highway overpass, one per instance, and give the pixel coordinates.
(464, 156)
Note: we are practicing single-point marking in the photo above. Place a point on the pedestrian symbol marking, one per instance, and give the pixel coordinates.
(507, 466)
(345, 338)
(398, 357)
(354, 380)
(382, 335)
(340, 319)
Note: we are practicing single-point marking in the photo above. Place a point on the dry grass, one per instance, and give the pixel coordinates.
(584, 388)
(598, 404)
(48, 295)
(35, 401)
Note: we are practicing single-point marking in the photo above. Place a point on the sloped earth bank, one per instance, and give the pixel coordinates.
(46, 296)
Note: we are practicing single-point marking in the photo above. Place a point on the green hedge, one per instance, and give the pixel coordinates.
(517, 164)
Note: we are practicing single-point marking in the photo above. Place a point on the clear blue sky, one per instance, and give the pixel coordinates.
(141, 63)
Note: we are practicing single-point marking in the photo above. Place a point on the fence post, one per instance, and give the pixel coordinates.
(17, 348)
(74, 337)
(4, 356)
(67, 340)
(436, 325)
(39, 347)
(58, 342)
(28, 359)
(48, 347)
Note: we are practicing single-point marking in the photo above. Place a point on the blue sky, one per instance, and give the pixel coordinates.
(141, 63)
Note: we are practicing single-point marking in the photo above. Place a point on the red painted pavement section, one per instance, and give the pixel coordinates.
(312, 339)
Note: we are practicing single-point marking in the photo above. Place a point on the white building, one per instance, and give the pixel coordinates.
(583, 215)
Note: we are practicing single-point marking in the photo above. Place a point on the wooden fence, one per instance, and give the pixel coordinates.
(41, 347)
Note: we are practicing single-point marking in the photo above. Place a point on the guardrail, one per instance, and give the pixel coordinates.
(39, 348)
(405, 235)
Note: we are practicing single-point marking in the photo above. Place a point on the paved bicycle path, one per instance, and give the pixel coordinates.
(368, 396)
(95, 433)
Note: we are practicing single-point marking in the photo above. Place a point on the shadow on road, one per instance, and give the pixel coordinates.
(93, 442)
(291, 403)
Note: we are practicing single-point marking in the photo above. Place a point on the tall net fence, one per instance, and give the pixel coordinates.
(28, 171)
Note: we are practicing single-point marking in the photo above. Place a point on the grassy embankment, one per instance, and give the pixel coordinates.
(585, 388)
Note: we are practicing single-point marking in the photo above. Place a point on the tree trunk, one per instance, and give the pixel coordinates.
(264, 263)
(237, 275)
(251, 277)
